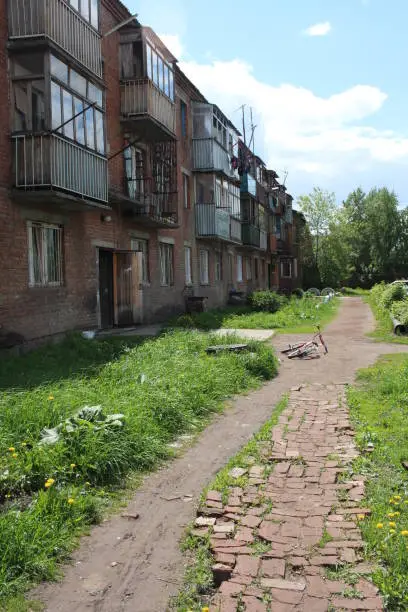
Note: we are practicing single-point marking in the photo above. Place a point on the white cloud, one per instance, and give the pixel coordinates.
(319, 29)
(174, 45)
(323, 140)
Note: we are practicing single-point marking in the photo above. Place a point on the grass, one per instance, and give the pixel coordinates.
(51, 494)
(379, 408)
(384, 328)
(198, 583)
(296, 316)
(357, 291)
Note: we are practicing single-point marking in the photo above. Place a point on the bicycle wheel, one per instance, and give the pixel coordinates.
(292, 347)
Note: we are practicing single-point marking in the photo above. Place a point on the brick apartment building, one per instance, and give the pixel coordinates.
(123, 191)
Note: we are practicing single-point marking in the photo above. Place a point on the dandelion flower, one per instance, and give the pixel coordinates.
(392, 531)
(24, 444)
(380, 525)
(392, 524)
(391, 515)
(50, 398)
(71, 501)
(361, 517)
(404, 532)
(205, 609)
(49, 483)
(397, 513)
(397, 497)
(12, 449)
(14, 455)
(73, 465)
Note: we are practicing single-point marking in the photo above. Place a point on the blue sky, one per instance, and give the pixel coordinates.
(326, 80)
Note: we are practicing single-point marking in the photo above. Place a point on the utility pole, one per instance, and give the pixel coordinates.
(243, 123)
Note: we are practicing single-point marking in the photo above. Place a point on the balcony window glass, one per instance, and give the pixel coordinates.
(38, 106)
(67, 111)
(95, 94)
(21, 107)
(88, 9)
(90, 128)
(100, 138)
(56, 107)
(155, 69)
(171, 84)
(74, 4)
(28, 65)
(79, 121)
(94, 14)
(77, 82)
(149, 62)
(85, 9)
(166, 81)
(59, 69)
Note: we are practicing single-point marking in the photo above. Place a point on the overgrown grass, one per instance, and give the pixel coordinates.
(384, 327)
(198, 582)
(297, 316)
(357, 291)
(50, 494)
(379, 408)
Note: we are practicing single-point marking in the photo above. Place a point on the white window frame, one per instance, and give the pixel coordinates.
(141, 245)
(204, 267)
(43, 263)
(188, 265)
(166, 251)
(283, 263)
(239, 269)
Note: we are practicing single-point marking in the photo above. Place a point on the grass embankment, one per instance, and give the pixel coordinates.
(156, 390)
(198, 580)
(294, 316)
(382, 304)
(379, 408)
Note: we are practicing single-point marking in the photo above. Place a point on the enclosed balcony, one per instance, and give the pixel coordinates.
(248, 185)
(215, 222)
(263, 240)
(56, 20)
(154, 112)
(251, 235)
(49, 163)
(210, 156)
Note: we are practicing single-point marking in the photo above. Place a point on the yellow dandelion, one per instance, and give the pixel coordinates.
(24, 444)
(404, 532)
(397, 513)
(50, 398)
(391, 525)
(14, 455)
(361, 517)
(392, 531)
(205, 609)
(380, 525)
(391, 514)
(12, 449)
(49, 483)
(71, 501)
(73, 465)
(397, 497)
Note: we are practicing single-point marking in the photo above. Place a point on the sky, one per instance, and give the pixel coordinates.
(326, 80)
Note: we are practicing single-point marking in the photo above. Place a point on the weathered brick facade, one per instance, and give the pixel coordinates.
(91, 230)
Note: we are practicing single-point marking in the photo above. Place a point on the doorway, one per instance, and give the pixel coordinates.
(106, 288)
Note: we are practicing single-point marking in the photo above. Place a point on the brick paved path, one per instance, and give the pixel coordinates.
(274, 540)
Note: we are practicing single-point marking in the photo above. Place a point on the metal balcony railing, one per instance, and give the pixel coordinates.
(210, 155)
(251, 235)
(154, 204)
(140, 97)
(49, 161)
(59, 22)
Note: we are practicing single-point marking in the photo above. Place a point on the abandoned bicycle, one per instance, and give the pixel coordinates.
(308, 349)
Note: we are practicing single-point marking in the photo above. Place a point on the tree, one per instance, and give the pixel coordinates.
(383, 229)
(319, 208)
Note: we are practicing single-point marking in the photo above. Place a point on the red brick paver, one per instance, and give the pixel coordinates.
(289, 522)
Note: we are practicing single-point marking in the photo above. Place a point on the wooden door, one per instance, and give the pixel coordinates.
(127, 276)
(106, 288)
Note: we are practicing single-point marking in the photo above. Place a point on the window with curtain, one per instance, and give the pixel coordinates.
(239, 269)
(204, 267)
(45, 263)
(166, 264)
(142, 246)
(188, 266)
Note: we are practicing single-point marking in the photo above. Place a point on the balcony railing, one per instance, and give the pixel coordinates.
(210, 155)
(56, 20)
(251, 235)
(236, 230)
(263, 240)
(141, 98)
(50, 162)
(151, 206)
(214, 222)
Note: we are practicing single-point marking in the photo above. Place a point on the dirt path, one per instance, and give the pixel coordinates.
(309, 528)
(128, 565)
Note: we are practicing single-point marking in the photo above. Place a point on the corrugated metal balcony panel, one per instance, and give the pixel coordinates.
(263, 240)
(248, 185)
(212, 221)
(59, 22)
(251, 235)
(140, 99)
(210, 155)
(49, 161)
(236, 230)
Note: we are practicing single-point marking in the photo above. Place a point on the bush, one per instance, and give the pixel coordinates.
(391, 294)
(298, 293)
(266, 301)
(399, 311)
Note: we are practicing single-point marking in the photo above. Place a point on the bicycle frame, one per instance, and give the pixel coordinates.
(296, 350)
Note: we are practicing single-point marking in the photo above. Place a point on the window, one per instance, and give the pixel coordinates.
(186, 191)
(44, 255)
(286, 269)
(218, 266)
(234, 200)
(29, 107)
(88, 9)
(248, 268)
(183, 119)
(88, 128)
(239, 269)
(200, 193)
(256, 262)
(187, 265)
(160, 72)
(137, 244)
(204, 273)
(295, 268)
(166, 264)
(134, 170)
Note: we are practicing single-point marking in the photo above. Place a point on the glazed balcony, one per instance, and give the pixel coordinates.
(51, 163)
(251, 235)
(210, 156)
(214, 222)
(263, 240)
(60, 23)
(143, 103)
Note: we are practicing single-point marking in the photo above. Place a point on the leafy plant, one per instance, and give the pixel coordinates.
(266, 301)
